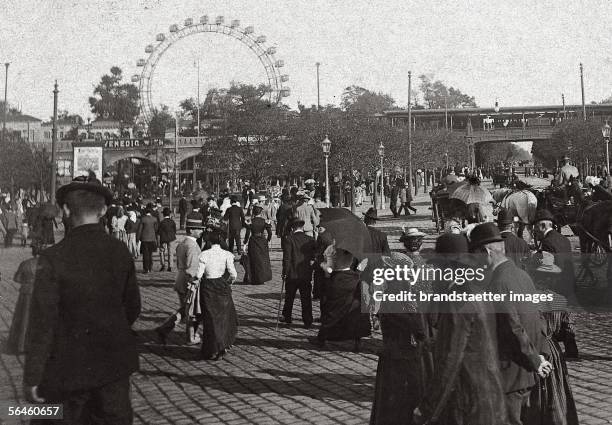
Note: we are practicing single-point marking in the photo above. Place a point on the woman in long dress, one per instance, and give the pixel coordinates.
(258, 252)
(552, 402)
(25, 275)
(218, 311)
(341, 315)
(401, 372)
(130, 226)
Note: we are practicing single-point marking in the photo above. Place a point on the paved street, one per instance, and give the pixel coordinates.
(275, 377)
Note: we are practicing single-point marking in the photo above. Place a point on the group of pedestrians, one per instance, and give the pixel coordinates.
(447, 363)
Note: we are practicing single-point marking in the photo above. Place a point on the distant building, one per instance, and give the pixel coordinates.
(64, 127)
(27, 126)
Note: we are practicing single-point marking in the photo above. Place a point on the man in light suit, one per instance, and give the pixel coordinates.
(186, 284)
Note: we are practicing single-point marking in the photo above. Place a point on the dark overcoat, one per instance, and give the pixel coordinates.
(84, 302)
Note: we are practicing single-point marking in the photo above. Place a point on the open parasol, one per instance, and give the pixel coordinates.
(472, 193)
(349, 232)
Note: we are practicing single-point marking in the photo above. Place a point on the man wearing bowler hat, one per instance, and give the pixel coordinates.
(515, 248)
(81, 349)
(520, 327)
(380, 244)
(559, 245)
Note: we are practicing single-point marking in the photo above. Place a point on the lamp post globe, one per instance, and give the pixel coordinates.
(326, 146)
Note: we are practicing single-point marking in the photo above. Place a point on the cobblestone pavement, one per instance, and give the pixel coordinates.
(277, 377)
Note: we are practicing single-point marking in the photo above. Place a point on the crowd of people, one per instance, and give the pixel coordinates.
(446, 363)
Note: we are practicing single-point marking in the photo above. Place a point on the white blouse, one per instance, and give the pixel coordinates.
(215, 261)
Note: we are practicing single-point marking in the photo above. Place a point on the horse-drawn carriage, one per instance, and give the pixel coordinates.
(440, 208)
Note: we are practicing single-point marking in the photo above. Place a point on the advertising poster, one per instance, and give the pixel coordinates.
(88, 159)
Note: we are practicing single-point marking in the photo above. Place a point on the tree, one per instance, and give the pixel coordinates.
(579, 139)
(115, 100)
(16, 164)
(494, 153)
(161, 119)
(359, 101)
(437, 95)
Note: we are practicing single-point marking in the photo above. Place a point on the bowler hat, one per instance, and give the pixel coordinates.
(505, 217)
(543, 215)
(451, 247)
(88, 184)
(371, 213)
(483, 234)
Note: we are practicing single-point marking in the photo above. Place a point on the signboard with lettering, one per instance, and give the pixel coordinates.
(86, 159)
(133, 143)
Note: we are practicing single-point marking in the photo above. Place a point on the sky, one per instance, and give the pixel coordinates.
(520, 52)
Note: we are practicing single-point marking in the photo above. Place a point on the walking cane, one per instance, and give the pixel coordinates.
(280, 300)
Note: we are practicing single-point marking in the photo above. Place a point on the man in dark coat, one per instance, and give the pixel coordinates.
(515, 248)
(234, 216)
(520, 327)
(284, 216)
(380, 244)
(167, 240)
(298, 254)
(379, 247)
(182, 208)
(147, 235)
(80, 348)
(559, 245)
(466, 386)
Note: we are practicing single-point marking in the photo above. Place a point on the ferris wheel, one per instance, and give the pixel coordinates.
(256, 43)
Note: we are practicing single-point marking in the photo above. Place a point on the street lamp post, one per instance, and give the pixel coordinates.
(605, 131)
(326, 145)
(318, 64)
(381, 153)
(6, 65)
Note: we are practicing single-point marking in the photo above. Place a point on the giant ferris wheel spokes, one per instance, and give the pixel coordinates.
(257, 44)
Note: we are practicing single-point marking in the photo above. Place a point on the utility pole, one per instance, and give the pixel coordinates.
(198, 97)
(54, 145)
(410, 187)
(563, 100)
(584, 117)
(318, 64)
(6, 65)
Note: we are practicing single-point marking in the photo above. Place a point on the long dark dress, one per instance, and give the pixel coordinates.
(25, 275)
(404, 364)
(552, 403)
(341, 316)
(219, 316)
(257, 265)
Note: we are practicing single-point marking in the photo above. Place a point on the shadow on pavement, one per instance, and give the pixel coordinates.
(322, 386)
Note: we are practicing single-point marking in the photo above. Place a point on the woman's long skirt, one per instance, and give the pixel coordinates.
(399, 387)
(341, 316)
(259, 267)
(552, 401)
(218, 314)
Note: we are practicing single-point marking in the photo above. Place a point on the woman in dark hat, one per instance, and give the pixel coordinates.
(218, 311)
(258, 253)
(552, 399)
(403, 361)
